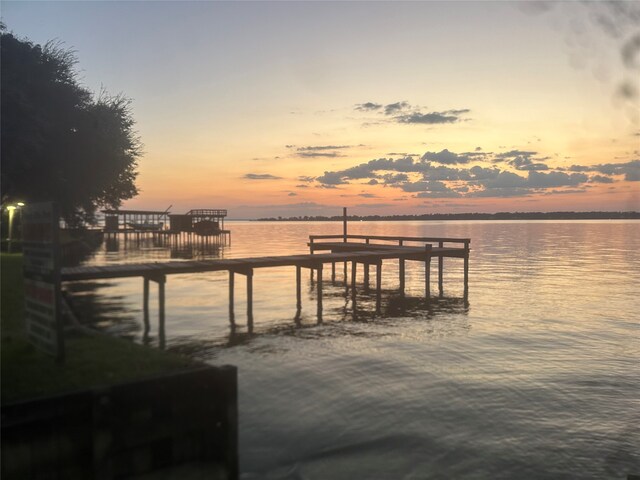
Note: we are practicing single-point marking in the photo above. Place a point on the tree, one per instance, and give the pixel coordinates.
(59, 141)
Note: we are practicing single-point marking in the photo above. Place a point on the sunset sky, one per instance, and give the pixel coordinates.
(271, 108)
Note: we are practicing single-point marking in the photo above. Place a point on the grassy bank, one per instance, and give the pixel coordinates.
(91, 360)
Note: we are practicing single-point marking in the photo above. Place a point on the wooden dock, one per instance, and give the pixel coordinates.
(353, 249)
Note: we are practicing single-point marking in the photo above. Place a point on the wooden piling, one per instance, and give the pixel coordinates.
(231, 296)
(145, 307)
(354, 271)
(440, 272)
(401, 264)
(161, 315)
(319, 292)
(378, 287)
(298, 288)
(427, 273)
(249, 275)
(333, 272)
(366, 272)
(466, 270)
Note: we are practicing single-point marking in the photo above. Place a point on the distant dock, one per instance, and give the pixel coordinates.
(367, 250)
(204, 225)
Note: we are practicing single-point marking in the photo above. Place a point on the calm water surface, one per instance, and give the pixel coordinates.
(537, 377)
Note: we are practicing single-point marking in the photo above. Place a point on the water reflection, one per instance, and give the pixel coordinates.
(105, 313)
(160, 247)
(343, 322)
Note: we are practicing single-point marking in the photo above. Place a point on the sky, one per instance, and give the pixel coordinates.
(300, 108)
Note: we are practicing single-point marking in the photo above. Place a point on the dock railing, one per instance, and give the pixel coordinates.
(440, 241)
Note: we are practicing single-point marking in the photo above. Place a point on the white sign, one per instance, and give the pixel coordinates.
(41, 265)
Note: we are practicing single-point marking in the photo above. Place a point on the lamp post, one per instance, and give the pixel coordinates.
(12, 209)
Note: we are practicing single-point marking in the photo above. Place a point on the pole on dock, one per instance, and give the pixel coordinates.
(440, 270)
(319, 293)
(231, 297)
(145, 308)
(427, 273)
(344, 224)
(333, 272)
(379, 286)
(401, 269)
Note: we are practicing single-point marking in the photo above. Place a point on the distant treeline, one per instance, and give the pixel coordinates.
(470, 216)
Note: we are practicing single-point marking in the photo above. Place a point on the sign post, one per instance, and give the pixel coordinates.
(41, 259)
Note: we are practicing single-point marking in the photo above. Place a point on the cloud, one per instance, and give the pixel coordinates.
(447, 157)
(331, 178)
(368, 106)
(433, 118)
(374, 205)
(521, 160)
(368, 195)
(630, 170)
(325, 151)
(318, 154)
(393, 108)
(600, 179)
(322, 147)
(260, 176)
(555, 179)
(292, 194)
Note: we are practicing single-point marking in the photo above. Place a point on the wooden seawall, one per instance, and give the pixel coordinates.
(367, 252)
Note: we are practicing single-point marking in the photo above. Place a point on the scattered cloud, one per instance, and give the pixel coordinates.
(323, 151)
(260, 176)
(368, 106)
(393, 108)
(431, 118)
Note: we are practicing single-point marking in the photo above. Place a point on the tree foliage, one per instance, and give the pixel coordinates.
(59, 141)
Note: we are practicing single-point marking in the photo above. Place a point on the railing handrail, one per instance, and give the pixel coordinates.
(466, 241)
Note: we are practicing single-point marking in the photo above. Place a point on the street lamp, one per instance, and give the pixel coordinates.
(11, 209)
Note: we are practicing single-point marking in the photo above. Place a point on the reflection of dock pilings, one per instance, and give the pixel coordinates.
(366, 253)
(181, 245)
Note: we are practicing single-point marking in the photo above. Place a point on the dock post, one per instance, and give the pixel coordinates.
(161, 331)
(145, 307)
(354, 271)
(440, 270)
(366, 272)
(344, 224)
(333, 272)
(401, 269)
(378, 286)
(427, 273)
(345, 274)
(249, 275)
(366, 277)
(319, 292)
(466, 270)
(231, 296)
(298, 288)
(311, 250)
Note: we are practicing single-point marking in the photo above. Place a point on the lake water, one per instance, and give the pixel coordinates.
(538, 376)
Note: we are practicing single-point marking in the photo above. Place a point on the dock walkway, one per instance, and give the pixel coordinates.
(366, 253)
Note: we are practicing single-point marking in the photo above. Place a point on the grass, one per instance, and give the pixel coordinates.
(90, 360)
